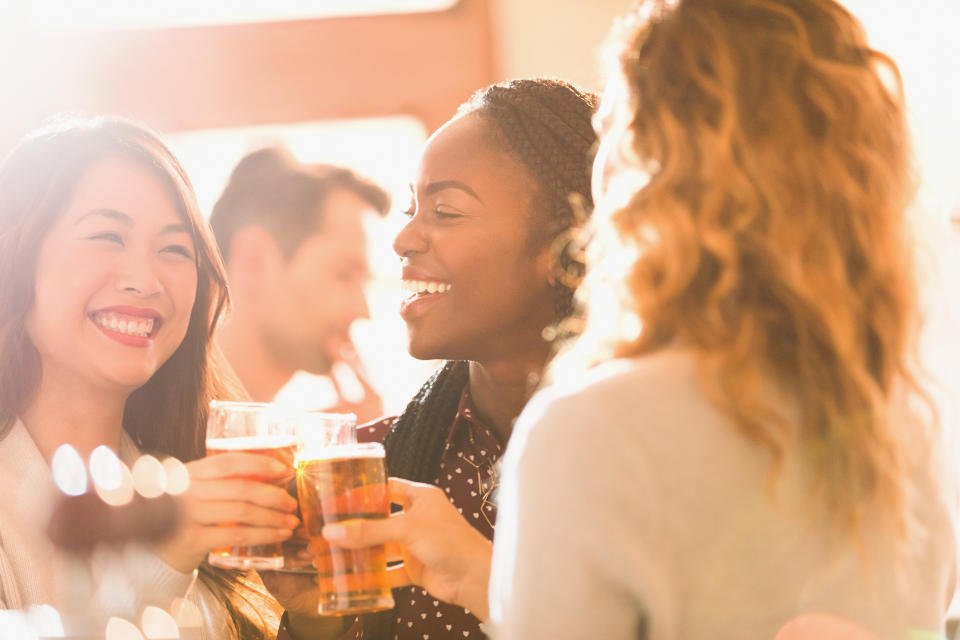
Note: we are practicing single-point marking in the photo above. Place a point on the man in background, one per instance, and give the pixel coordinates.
(295, 249)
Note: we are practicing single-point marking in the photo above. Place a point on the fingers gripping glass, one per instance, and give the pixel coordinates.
(257, 428)
(268, 429)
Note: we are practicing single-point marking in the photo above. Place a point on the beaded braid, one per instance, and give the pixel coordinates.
(545, 124)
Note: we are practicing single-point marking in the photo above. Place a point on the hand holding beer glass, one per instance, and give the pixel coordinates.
(441, 552)
(254, 428)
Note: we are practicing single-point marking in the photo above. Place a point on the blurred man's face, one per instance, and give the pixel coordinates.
(306, 315)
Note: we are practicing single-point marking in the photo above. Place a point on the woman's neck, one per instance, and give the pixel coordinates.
(500, 390)
(65, 412)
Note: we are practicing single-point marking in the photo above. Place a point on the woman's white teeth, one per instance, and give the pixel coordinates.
(421, 286)
(130, 325)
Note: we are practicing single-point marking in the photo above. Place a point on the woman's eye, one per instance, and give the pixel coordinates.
(108, 237)
(446, 215)
(179, 249)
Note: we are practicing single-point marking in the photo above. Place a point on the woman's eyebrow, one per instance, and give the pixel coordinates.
(178, 227)
(112, 214)
(434, 187)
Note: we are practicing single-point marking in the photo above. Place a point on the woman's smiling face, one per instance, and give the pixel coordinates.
(476, 281)
(115, 279)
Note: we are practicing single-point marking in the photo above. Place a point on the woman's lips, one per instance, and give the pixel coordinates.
(416, 305)
(131, 326)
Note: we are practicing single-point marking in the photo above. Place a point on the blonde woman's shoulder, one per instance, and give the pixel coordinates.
(637, 391)
(664, 367)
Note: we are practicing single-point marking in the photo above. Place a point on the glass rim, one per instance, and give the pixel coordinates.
(320, 413)
(330, 451)
(240, 404)
(280, 408)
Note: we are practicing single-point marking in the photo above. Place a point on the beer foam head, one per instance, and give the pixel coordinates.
(342, 451)
(248, 443)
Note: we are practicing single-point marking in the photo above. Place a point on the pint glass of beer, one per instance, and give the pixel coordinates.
(317, 430)
(260, 428)
(343, 483)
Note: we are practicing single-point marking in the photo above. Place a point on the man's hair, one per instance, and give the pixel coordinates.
(270, 188)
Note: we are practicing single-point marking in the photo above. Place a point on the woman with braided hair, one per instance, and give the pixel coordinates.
(486, 274)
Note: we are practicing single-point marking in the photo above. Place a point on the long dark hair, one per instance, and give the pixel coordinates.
(545, 124)
(167, 415)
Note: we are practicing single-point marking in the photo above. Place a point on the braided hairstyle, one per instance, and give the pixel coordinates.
(544, 124)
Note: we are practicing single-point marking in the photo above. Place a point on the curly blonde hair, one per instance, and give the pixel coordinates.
(766, 157)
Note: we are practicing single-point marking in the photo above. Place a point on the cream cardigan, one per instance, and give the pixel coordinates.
(33, 572)
(629, 502)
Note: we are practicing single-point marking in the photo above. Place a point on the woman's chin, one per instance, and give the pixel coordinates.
(425, 350)
(128, 379)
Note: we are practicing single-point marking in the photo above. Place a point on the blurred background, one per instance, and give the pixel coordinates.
(362, 83)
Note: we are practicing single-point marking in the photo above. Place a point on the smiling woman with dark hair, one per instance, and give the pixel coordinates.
(110, 289)
(485, 272)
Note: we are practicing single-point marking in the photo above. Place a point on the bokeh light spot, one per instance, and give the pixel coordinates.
(13, 624)
(149, 477)
(120, 629)
(111, 478)
(45, 620)
(157, 624)
(186, 614)
(178, 478)
(68, 471)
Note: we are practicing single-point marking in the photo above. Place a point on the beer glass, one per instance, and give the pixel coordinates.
(344, 483)
(317, 430)
(260, 428)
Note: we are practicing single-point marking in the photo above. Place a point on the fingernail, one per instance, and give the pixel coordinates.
(334, 532)
(294, 521)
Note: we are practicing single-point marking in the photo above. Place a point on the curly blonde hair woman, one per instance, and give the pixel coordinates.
(754, 443)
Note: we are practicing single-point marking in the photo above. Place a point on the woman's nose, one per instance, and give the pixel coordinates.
(411, 239)
(138, 275)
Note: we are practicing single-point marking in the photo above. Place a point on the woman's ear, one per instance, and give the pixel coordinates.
(547, 265)
(564, 259)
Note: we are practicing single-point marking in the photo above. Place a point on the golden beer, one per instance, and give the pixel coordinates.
(282, 448)
(346, 483)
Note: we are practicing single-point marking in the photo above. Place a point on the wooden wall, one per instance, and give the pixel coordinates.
(174, 79)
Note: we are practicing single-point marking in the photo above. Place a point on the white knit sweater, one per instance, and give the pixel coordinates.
(34, 572)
